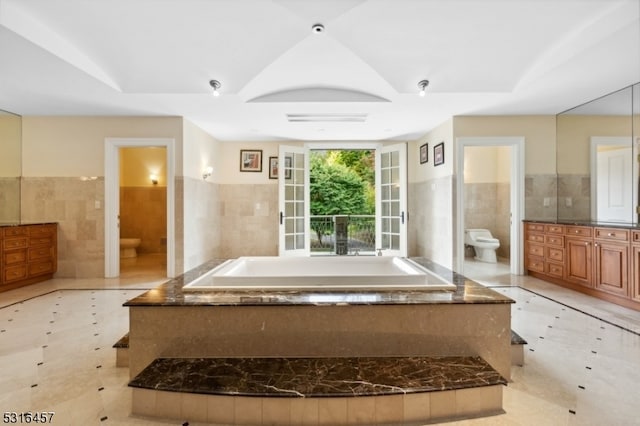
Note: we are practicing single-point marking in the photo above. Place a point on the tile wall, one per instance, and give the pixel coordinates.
(143, 214)
(77, 206)
(9, 194)
(538, 190)
(574, 197)
(487, 206)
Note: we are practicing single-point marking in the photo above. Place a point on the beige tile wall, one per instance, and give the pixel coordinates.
(431, 220)
(537, 188)
(70, 202)
(9, 199)
(202, 225)
(143, 214)
(578, 189)
(249, 220)
(487, 206)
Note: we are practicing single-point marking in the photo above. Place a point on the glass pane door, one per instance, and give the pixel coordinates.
(391, 176)
(293, 185)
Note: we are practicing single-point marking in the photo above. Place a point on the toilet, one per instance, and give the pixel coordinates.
(128, 247)
(483, 243)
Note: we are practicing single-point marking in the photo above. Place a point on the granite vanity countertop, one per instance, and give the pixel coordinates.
(587, 223)
(11, 224)
(171, 294)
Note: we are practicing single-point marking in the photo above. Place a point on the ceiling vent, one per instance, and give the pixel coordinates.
(328, 118)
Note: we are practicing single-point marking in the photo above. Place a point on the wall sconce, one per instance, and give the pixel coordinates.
(154, 179)
(207, 172)
(422, 85)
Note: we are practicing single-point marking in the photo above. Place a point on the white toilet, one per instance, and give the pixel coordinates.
(128, 247)
(483, 243)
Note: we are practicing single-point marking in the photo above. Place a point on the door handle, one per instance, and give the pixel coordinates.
(281, 218)
(402, 217)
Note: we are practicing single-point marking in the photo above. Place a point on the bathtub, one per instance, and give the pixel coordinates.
(326, 273)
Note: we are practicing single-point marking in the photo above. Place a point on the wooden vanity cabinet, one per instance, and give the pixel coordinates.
(611, 252)
(635, 266)
(579, 266)
(600, 261)
(28, 254)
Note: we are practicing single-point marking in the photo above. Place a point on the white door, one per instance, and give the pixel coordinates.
(293, 189)
(391, 200)
(614, 185)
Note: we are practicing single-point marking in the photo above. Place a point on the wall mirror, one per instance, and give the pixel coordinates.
(597, 164)
(10, 167)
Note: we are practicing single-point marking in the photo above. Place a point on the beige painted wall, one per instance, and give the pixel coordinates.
(427, 171)
(74, 146)
(487, 164)
(539, 132)
(574, 139)
(137, 164)
(10, 147)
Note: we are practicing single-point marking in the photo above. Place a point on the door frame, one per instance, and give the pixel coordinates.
(597, 141)
(516, 195)
(112, 199)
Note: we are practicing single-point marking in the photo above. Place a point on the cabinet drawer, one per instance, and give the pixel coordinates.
(556, 254)
(580, 231)
(15, 273)
(41, 231)
(555, 269)
(536, 227)
(612, 234)
(12, 257)
(41, 241)
(554, 229)
(15, 243)
(535, 249)
(536, 238)
(535, 264)
(40, 268)
(554, 240)
(36, 253)
(15, 231)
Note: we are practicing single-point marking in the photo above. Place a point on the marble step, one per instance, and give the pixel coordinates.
(517, 349)
(122, 351)
(333, 391)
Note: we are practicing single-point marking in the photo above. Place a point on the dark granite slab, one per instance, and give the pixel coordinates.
(171, 294)
(123, 343)
(316, 377)
(516, 339)
(621, 225)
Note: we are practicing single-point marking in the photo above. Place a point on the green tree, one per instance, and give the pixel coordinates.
(334, 189)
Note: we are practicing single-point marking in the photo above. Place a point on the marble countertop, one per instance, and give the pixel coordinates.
(316, 377)
(11, 224)
(171, 294)
(588, 223)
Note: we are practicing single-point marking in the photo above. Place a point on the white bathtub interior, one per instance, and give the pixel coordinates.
(320, 274)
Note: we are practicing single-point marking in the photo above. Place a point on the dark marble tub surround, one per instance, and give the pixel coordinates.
(316, 377)
(171, 294)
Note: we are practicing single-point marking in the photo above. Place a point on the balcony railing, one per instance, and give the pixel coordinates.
(360, 235)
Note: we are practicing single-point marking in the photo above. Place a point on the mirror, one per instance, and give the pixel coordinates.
(597, 174)
(10, 167)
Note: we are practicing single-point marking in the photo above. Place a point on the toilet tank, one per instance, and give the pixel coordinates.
(473, 234)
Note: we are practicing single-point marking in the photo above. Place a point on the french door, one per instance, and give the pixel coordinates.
(391, 200)
(293, 189)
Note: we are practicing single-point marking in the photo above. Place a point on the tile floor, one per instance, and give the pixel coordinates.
(56, 352)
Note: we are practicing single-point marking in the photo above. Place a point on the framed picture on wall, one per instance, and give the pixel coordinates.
(273, 167)
(251, 160)
(424, 153)
(438, 154)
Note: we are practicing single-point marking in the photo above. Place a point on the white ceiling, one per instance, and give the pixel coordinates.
(156, 57)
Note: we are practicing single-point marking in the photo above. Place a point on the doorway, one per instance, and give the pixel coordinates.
(390, 196)
(113, 178)
(490, 195)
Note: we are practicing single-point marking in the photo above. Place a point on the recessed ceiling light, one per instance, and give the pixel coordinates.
(317, 28)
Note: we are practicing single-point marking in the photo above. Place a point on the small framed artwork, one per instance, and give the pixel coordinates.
(273, 167)
(424, 153)
(438, 154)
(251, 160)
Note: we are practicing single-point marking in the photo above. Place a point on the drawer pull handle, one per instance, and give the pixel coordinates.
(611, 234)
(577, 232)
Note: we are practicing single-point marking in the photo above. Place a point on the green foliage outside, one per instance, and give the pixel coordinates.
(341, 183)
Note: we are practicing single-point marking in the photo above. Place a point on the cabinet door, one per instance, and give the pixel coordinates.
(612, 267)
(635, 290)
(579, 264)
